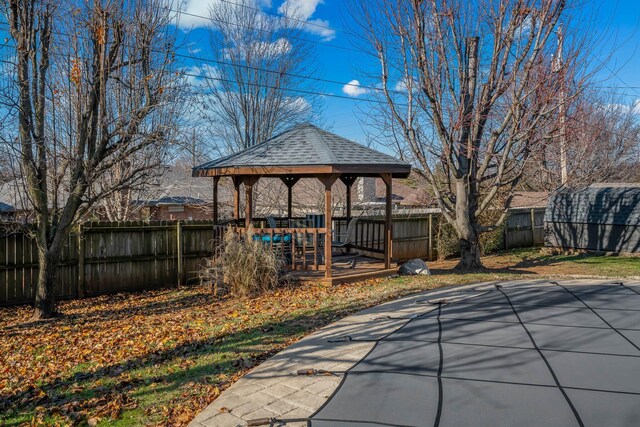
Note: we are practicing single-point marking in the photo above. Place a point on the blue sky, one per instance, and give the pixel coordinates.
(337, 59)
(623, 18)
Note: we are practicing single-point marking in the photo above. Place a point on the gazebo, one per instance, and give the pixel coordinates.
(306, 151)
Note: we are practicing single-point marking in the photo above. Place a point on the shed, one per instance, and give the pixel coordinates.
(601, 218)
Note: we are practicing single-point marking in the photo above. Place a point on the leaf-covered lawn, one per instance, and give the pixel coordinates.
(158, 358)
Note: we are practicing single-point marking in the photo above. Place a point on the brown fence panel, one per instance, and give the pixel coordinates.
(199, 239)
(524, 228)
(19, 268)
(105, 258)
(129, 256)
(410, 239)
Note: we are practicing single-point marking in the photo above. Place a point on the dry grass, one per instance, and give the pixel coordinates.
(243, 267)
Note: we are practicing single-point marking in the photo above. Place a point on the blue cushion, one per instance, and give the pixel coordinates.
(277, 238)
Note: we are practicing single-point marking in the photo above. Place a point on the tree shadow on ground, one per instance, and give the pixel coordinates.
(525, 263)
(248, 347)
(150, 308)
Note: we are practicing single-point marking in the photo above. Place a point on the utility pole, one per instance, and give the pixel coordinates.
(194, 147)
(562, 110)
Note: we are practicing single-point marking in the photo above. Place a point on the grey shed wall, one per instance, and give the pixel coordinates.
(604, 219)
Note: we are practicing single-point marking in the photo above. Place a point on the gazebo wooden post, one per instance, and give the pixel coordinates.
(386, 177)
(249, 182)
(236, 198)
(289, 181)
(216, 179)
(328, 181)
(348, 196)
(348, 181)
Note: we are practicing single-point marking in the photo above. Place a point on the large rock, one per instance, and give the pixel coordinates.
(414, 267)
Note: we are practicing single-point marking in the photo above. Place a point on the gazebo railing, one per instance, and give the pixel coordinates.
(301, 248)
(369, 235)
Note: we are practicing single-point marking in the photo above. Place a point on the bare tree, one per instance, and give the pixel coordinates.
(602, 144)
(94, 80)
(257, 87)
(465, 89)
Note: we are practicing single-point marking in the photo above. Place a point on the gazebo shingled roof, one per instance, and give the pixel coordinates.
(306, 150)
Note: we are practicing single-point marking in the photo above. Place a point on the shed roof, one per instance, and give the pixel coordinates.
(305, 150)
(615, 204)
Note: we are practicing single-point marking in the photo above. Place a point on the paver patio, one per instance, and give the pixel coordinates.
(521, 353)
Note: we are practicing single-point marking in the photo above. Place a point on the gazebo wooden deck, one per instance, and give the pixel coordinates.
(306, 151)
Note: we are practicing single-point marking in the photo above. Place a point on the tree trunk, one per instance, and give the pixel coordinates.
(467, 226)
(44, 307)
(469, 254)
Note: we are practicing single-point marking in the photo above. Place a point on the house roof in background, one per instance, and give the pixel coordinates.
(177, 187)
(615, 185)
(411, 191)
(305, 149)
(529, 199)
(173, 200)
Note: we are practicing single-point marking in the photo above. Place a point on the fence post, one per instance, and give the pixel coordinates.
(506, 234)
(430, 237)
(80, 261)
(533, 227)
(179, 250)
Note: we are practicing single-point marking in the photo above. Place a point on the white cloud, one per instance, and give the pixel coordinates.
(402, 85)
(277, 48)
(198, 75)
(353, 89)
(321, 28)
(193, 10)
(298, 105)
(262, 49)
(196, 12)
(299, 9)
(303, 10)
(634, 107)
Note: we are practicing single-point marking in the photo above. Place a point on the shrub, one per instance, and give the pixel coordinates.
(448, 244)
(243, 266)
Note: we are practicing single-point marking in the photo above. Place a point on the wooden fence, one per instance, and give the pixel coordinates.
(104, 257)
(416, 236)
(524, 228)
(107, 257)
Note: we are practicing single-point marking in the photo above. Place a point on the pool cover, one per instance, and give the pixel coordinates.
(525, 355)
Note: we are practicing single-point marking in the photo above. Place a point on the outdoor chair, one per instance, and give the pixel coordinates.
(281, 243)
(343, 241)
(348, 237)
(271, 221)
